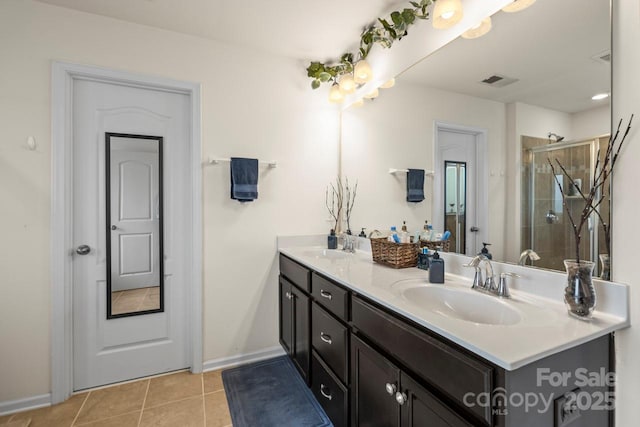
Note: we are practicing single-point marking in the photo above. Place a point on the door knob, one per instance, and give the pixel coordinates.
(83, 249)
(113, 227)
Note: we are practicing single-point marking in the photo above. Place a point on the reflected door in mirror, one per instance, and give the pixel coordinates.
(134, 226)
(457, 210)
(455, 199)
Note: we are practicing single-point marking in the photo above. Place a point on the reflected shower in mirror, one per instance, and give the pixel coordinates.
(134, 224)
(455, 195)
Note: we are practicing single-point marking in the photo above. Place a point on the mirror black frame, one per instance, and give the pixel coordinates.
(160, 141)
(454, 234)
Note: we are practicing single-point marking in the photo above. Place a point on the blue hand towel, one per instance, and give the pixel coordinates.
(415, 185)
(244, 179)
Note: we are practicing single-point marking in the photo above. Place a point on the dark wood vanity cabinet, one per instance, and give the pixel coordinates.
(369, 366)
(330, 348)
(295, 314)
(384, 395)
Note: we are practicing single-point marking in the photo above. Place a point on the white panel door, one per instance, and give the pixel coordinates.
(111, 350)
(135, 219)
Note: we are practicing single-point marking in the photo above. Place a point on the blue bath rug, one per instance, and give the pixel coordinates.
(271, 393)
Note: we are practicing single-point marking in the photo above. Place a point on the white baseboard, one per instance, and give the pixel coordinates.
(33, 402)
(241, 359)
(11, 406)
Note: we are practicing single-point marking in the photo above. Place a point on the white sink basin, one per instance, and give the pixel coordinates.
(327, 254)
(467, 305)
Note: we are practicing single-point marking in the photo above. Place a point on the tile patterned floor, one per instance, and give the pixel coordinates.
(181, 399)
(135, 300)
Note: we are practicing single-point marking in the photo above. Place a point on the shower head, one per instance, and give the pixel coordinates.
(557, 137)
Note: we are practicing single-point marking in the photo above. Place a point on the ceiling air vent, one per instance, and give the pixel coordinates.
(497, 80)
(603, 57)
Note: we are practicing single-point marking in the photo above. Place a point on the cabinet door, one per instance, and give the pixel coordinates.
(286, 310)
(374, 382)
(301, 351)
(422, 409)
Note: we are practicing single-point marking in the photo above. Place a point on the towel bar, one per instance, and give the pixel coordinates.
(392, 171)
(218, 161)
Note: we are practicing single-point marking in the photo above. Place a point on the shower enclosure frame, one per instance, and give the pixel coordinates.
(592, 224)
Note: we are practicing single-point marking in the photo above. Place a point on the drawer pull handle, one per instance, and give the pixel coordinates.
(325, 294)
(324, 393)
(401, 398)
(391, 388)
(326, 338)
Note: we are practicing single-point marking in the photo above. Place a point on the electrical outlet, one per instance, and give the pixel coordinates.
(566, 409)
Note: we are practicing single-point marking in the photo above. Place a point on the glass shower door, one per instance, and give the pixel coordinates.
(552, 235)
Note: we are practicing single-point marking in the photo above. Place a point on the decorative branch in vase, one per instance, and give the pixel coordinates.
(334, 199)
(350, 194)
(580, 296)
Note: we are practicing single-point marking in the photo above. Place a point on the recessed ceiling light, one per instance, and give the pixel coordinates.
(600, 96)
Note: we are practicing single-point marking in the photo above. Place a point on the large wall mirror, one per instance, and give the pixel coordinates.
(528, 85)
(134, 224)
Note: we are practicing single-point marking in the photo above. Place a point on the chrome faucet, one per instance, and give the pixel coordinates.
(480, 282)
(503, 289)
(528, 254)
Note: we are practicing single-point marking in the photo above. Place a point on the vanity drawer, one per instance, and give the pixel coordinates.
(331, 394)
(296, 273)
(329, 338)
(331, 296)
(444, 367)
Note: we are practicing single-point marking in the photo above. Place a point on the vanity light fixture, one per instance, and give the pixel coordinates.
(518, 5)
(347, 84)
(600, 96)
(335, 94)
(373, 94)
(362, 72)
(479, 30)
(446, 13)
(388, 84)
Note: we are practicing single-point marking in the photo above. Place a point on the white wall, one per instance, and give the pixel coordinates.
(590, 123)
(626, 233)
(253, 105)
(396, 130)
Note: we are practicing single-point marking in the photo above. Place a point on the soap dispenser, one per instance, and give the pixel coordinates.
(436, 269)
(425, 235)
(332, 240)
(404, 234)
(485, 250)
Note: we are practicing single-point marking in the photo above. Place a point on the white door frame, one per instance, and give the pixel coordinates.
(480, 181)
(63, 76)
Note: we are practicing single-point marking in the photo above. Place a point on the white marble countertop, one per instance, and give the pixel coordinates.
(543, 328)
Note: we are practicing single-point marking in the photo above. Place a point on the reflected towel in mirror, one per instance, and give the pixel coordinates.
(415, 185)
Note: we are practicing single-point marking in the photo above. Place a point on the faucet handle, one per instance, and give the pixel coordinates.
(503, 288)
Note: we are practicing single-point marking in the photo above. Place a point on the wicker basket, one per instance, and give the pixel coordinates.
(396, 255)
(441, 245)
